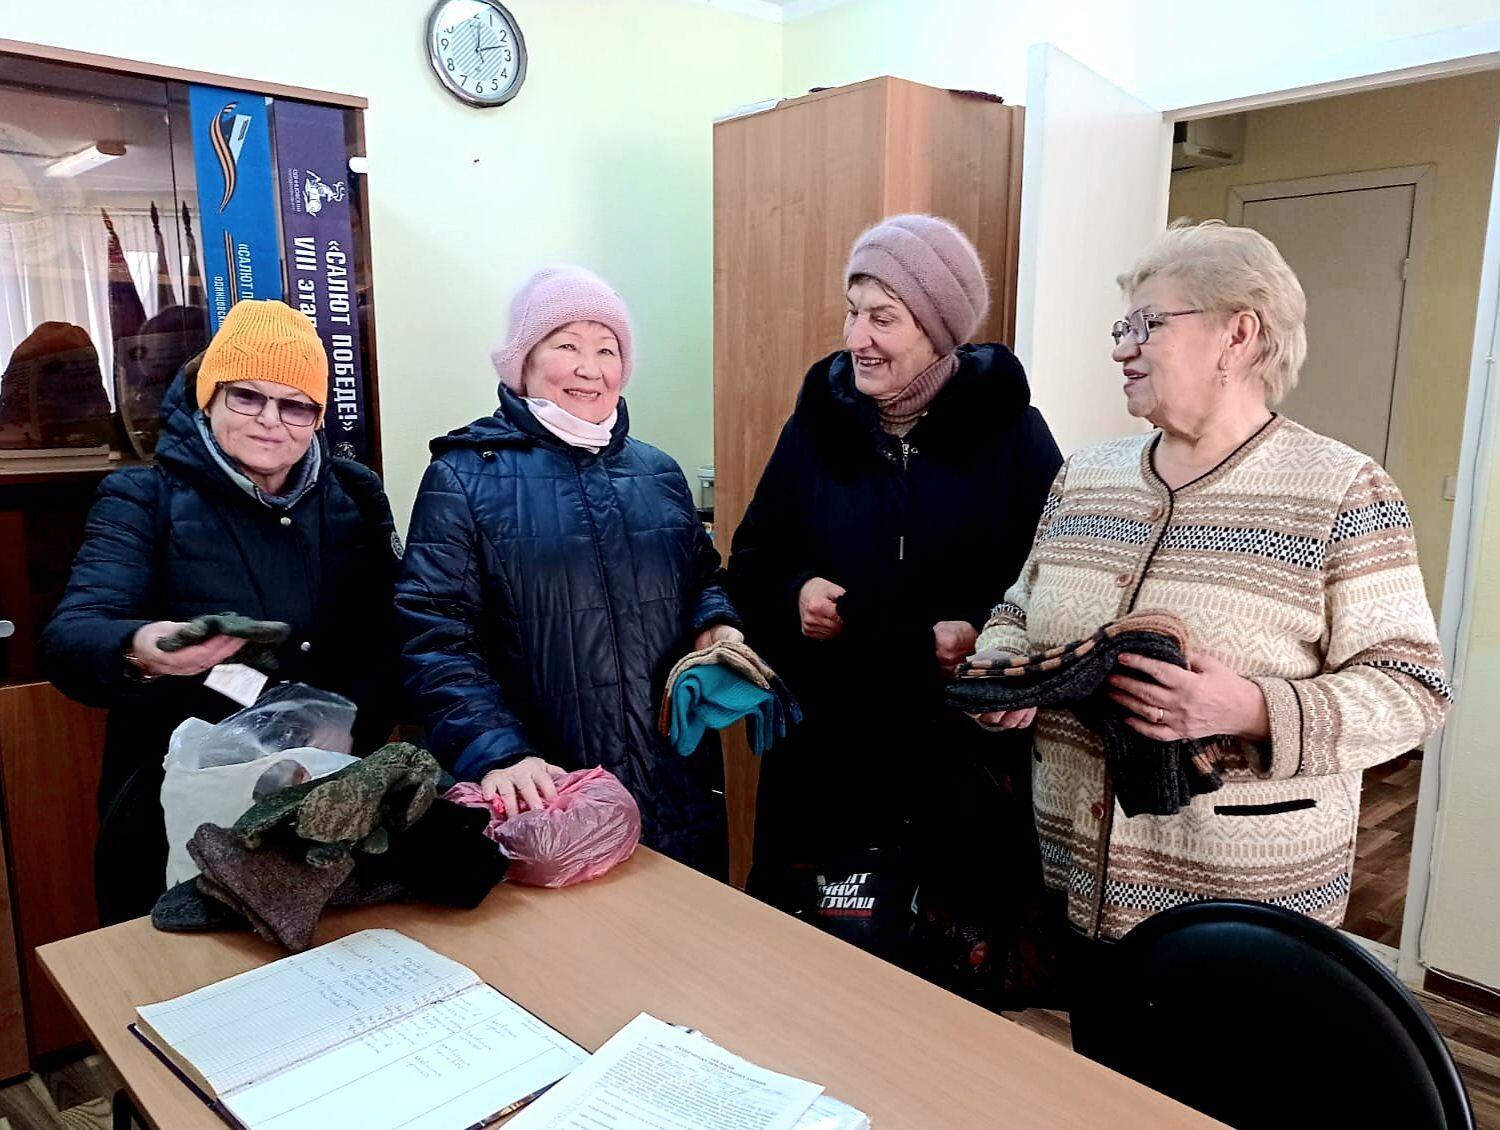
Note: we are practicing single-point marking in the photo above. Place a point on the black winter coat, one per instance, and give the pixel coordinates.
(935, 528)
(180, 539)
(546, 593)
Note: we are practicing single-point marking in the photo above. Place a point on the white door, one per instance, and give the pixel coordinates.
(1350, 249)
(1093, 196)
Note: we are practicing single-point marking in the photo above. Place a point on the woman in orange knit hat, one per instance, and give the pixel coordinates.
(246, 511)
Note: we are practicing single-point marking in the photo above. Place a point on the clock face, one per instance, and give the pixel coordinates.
(476, 48)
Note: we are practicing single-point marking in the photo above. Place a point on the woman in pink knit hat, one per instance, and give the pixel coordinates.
(554, 572)
(898, 503)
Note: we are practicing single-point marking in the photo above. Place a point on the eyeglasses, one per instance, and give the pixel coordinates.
(1140, 323)
(248, 402)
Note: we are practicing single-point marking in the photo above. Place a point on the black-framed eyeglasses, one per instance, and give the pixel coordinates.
(1140, 323)
(248, 402)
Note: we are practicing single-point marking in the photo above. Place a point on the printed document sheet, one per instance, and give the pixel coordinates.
(653, 1076)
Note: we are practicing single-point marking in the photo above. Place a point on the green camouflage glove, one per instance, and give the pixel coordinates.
(356, 808)
(262, 637)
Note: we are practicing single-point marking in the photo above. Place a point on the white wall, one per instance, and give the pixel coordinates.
(1158, 50)
(605, 158)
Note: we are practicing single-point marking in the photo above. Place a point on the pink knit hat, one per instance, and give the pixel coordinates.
(552, 298)
(932, 267)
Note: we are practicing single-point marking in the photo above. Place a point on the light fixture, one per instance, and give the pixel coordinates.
(95, 155)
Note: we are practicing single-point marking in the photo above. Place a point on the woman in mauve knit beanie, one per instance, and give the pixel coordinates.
(555, 568)
(912, 457)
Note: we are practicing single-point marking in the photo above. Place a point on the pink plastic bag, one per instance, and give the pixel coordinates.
(592, 825)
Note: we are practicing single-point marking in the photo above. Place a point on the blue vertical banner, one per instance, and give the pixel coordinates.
(312, 166)
(236, 197)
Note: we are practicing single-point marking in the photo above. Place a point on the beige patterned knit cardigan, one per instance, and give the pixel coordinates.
(1293, 562)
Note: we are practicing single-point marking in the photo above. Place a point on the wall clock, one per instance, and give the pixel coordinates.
(476, 50)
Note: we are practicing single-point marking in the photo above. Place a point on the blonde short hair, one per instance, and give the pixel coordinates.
(1222, 270)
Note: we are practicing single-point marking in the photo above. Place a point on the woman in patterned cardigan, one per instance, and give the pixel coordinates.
(1290, 558)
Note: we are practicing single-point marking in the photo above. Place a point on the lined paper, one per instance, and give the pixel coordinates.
(241, 1030)
(451, 1065)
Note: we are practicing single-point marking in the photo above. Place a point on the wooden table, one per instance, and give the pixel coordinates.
(654, 936)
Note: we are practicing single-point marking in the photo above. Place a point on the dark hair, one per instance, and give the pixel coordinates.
(855, 280)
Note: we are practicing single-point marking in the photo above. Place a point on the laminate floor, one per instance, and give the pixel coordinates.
(1382, 853)
(75, 1096)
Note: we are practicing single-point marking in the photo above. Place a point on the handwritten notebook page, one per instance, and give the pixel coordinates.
(243, 1029)
(652, 1076)
(451, 1065)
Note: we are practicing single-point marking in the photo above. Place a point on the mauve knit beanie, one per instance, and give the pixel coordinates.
(932, 267)
(552, 298)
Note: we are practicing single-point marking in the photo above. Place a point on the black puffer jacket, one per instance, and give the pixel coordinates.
(933, 529)
(180, 539)
(546, 593)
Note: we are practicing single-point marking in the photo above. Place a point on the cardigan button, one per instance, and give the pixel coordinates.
(1123, 580)
(285, 521)
(1096, 810)
(1158, 514)
(305, 646)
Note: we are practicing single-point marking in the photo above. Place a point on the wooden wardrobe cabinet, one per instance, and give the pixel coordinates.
(793, 187)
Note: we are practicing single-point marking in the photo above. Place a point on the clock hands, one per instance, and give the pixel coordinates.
(479, 40)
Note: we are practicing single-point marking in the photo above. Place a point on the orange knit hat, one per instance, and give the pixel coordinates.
(265, 340)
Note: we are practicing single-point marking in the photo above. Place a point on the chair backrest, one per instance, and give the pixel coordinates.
(1261, 1017)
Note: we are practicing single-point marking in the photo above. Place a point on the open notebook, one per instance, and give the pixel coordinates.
(374, 1030)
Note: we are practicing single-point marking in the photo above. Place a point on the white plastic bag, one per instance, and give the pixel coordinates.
(214, 773)
(289, 716)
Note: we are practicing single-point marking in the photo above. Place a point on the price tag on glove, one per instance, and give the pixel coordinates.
(238, 682)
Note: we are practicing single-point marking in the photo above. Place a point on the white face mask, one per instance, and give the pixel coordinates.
(569, 428)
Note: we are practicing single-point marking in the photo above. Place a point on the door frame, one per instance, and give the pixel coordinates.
(1420, 178)
(1445, 54)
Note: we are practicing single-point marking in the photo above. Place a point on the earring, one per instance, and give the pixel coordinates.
(1223, 378)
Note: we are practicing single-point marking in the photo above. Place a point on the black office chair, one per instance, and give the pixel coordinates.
(1261, 1017)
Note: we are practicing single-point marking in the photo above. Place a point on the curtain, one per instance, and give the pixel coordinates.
(54, 266)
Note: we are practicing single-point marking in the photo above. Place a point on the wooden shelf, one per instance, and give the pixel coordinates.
(18, 470)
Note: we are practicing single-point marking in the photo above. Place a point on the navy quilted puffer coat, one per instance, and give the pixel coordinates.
(180, 539)
(931, 529)
(546, 593)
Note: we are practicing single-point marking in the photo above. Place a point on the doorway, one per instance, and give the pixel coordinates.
(1378, 201)
(1074, 241)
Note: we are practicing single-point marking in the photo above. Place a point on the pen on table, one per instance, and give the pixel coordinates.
(513, 1107)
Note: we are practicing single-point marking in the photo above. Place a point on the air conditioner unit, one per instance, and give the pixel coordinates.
(1208, 142)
